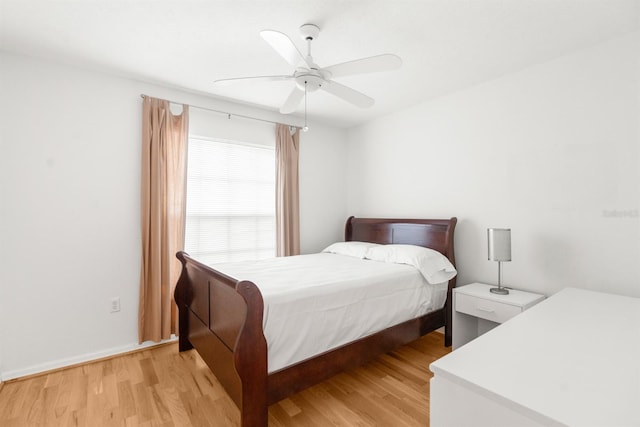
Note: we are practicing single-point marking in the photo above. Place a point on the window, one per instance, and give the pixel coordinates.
(230, 201)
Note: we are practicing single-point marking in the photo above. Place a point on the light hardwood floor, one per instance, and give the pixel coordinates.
(162, 387)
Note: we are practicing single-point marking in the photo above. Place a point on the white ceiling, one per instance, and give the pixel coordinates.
(445, 45)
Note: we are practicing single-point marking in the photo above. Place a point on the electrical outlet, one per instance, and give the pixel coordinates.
(115, 304)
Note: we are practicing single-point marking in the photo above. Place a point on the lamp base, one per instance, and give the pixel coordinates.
(499, 291)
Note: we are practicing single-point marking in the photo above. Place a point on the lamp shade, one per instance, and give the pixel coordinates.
(499, 240)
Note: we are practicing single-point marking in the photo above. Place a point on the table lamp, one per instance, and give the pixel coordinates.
(499, 240)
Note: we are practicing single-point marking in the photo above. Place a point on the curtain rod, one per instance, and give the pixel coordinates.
(142, 95)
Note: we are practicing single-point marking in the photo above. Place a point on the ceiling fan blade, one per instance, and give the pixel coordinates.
(371, 64)
(222, 82)
(284, 46)
(292, 102)
(350, 95)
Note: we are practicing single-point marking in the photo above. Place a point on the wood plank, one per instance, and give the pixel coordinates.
(161, 387)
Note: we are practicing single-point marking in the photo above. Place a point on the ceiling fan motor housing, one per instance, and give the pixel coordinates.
(311, 79)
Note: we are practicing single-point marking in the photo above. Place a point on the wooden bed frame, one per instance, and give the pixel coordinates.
(222, 318)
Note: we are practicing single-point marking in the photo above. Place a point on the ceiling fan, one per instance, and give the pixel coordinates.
(309, 77)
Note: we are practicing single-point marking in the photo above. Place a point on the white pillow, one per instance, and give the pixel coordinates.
(435, 267)
(354, 249)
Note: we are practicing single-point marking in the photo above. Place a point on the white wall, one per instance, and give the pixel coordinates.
(69, 212)
(323, 193)
(551, 151)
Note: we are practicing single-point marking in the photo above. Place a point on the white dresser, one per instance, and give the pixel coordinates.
(571, 360)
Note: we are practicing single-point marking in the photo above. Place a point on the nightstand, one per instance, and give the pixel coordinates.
(476, 310)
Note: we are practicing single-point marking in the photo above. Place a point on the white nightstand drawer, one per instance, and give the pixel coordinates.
(485, 309)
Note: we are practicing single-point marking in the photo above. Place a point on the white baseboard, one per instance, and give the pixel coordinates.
(84, 358)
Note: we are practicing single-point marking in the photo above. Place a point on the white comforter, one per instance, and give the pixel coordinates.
(314, 303)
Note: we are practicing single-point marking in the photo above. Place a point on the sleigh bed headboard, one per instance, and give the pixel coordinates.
(436, 234)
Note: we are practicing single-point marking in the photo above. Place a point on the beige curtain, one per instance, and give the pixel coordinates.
(287, 201)
(164, 161)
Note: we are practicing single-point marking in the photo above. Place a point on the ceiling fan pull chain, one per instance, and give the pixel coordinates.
(305, 128)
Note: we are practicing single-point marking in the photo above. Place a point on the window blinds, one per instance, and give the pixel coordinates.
(230, 201)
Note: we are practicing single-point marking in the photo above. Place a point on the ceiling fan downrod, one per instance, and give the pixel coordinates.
(309, 32)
